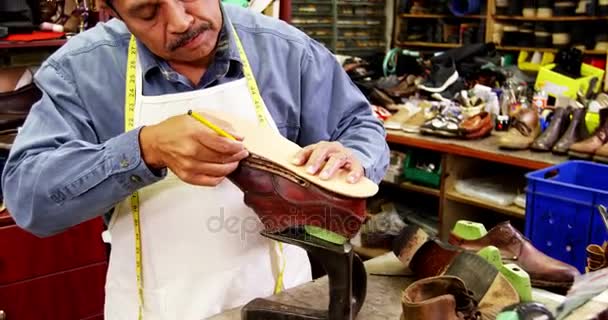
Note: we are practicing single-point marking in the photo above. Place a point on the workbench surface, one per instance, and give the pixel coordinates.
(382, 301)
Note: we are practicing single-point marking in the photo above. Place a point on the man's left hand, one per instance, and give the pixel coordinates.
(326, 158)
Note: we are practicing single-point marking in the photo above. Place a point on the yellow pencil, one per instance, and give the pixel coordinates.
(211, 126)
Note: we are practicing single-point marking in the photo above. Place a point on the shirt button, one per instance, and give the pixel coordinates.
(124, 163)
(135, 178)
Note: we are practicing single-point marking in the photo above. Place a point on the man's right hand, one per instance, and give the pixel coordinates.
(195, 153)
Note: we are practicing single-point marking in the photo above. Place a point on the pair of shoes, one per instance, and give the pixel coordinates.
(544, 271)
(523, 130)
(406, 88)
(566, 128)
(428, 257)
(445, 124)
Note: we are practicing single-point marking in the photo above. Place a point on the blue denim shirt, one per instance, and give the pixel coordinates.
(72, 160)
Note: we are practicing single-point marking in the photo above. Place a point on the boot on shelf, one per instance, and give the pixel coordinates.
(577, 131)
(585, 149)
(559, 123)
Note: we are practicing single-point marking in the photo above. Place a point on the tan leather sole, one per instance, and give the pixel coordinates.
(266, 143)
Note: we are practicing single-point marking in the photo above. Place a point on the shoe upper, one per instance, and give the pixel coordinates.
(514, 247)
(281, 199)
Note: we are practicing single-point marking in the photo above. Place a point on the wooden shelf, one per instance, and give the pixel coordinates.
(511, 210)
(509, 48)
(362, 3)
(428, 44)
(484, 149)
(438, 16)
(551, 19)
(414, 187)
(32, 44)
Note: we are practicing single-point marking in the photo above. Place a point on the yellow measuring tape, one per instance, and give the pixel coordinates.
(130, 94)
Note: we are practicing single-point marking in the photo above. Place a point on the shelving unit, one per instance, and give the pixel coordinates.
(462, 159)
(344, 27)
(488, 22)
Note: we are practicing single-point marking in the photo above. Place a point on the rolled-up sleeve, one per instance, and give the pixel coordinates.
(58, 173)
(334, 109)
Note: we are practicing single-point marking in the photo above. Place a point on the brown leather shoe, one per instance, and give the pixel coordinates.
(559, 123)
(477, 126)
(439, 298)
(524, 129)
(16, 105)
(282, 199)
(544, 271)
(577, 131)
(586, 149)
(428, 257)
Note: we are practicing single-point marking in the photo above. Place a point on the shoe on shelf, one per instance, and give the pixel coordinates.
(560, 119)
(478, 126)
(443, 74)
(585, 149)
(523, 130)
(405, 112)
(577, 131)
(544, 271)
(439, 298)
(413, 124)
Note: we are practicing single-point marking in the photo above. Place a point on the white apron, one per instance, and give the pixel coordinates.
(201, 248)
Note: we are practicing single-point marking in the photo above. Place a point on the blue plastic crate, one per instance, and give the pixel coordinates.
(561, 209)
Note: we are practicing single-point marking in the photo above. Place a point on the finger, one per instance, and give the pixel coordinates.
(356, 172)
(194, 168)
(335, 162)
(205, 154)
(317, 159)
(302, 156)
(220, 123)
(203, 180)
(218, 143)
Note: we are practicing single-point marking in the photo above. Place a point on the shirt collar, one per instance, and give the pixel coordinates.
(226, 49)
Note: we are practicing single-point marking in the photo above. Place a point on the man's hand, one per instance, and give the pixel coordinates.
(195, 153)
(327, 158)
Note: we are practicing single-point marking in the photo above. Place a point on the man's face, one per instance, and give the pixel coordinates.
(175, 30)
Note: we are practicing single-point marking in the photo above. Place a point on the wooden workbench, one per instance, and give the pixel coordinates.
(484, 149)
(383, 300)
(461, 159)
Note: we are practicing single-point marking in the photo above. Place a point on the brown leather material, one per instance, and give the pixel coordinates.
(544, 271)
(586, 148)
(16, 105)
(524, 129)
(439, 298)
(601, 154)
(282, 199)
(577, 131)
(559, 123)
(597, 257)
(479, 126)
(476, 122)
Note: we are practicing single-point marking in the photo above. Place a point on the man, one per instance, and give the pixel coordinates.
(88, 148)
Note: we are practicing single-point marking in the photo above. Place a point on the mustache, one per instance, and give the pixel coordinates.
(187, 36)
